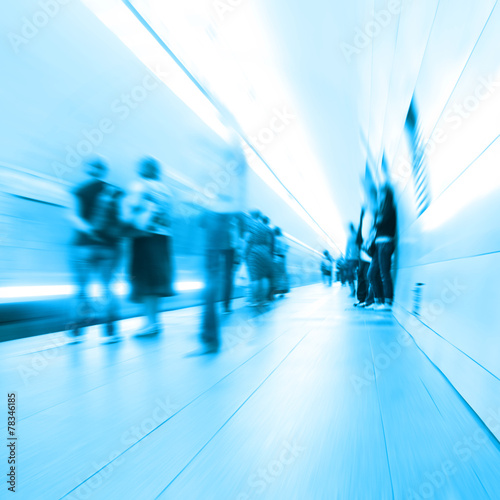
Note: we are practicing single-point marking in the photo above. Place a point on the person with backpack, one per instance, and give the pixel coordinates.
(97, 222)
(149, 212)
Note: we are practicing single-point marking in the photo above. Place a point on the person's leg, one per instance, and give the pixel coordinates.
(351, 271)
(107, 268)
(374, 278)
(370, 296)
(362, 284)
(81, 264)
(385, 251)
(228, 256)
(210, 327)
(270, 281)
(151, 303)
(258, 292)
(267, 290)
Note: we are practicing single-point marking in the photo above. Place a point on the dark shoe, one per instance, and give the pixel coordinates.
(110, 329)
(74, 330)
(210, 349)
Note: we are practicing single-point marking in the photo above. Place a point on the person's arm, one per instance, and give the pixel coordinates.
(359, 235)
(246, 244)
(75, 217)
(131, 204)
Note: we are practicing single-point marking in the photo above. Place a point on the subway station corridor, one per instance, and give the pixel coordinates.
(320, 401)
(250, 249)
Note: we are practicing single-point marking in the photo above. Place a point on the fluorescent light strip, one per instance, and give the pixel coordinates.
(223, 112)
(15, 293)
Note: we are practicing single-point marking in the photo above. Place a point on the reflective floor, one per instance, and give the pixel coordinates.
(312, 399)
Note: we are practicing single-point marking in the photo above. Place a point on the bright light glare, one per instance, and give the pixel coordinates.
(121, 288)
(184, 286)
(42, 291)
(479, 181)
(120, 20)
(233, 61)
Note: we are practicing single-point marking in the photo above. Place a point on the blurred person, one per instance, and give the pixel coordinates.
(341, 271)
(351, 258)
(231, 252)
(326, 268)
(221, 228)
(366, 236)
(281, 284)
(271, 237)
(383, 247)
(149, 207)
(97, 221)
(259, 258)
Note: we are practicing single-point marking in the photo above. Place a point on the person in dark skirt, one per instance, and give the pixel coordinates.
(151, 264)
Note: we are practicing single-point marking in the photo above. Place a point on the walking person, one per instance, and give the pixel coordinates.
(221, 236)
(352, 258)
(281, 284)
(327, 268)
(365, 240)
(230, 255)
(96, 218)
(151, 264)
(270, 242)
(259, 259)
(380, 268)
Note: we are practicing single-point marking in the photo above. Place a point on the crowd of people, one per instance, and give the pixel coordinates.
(243, 248)
(103, 215)
(237, 245)
(366, 265)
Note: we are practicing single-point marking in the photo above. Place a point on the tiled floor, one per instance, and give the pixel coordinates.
(312, 399)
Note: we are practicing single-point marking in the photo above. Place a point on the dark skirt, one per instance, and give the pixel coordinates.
(151, 268)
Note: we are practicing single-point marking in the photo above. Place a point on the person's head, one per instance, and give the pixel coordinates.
(149, 168)
(97, 168)
(255, 214)
(265, 220)
(386, 195)
(372, 199)
(326, 253)
(277, 231)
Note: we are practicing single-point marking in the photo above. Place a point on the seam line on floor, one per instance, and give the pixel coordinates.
(184, 407)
